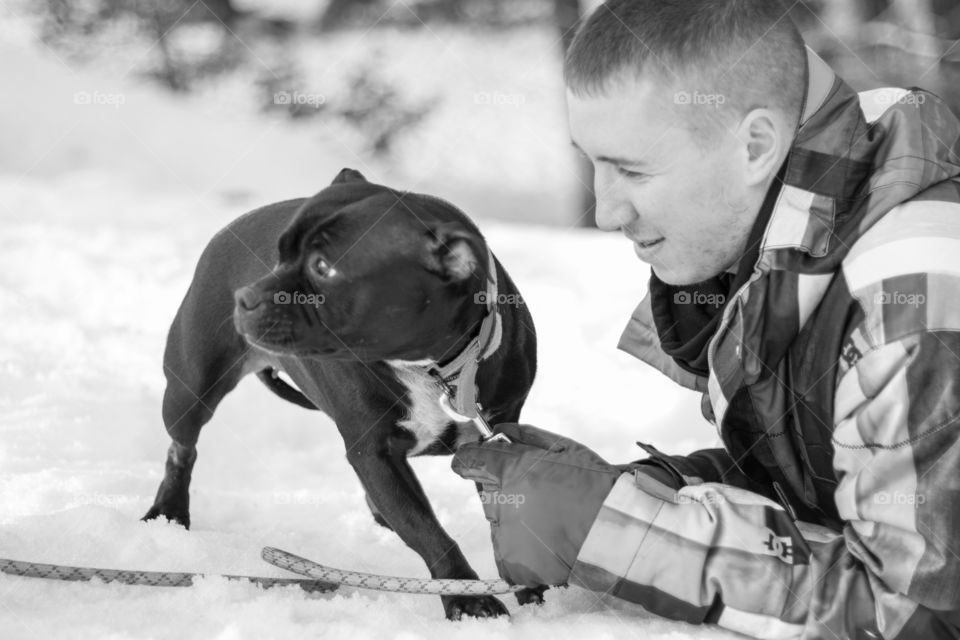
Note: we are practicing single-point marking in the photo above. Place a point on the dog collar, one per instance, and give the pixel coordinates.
(458, 378)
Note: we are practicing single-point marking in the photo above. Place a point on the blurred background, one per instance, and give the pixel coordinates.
(255, 100)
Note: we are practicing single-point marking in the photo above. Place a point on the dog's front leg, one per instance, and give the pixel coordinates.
(395, 491)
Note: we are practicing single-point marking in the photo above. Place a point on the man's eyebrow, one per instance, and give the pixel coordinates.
(630, 162)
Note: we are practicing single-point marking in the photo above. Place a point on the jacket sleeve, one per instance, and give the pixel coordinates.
(713, 552)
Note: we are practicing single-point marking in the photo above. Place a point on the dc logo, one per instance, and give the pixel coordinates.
(781, 547)
(850, 354)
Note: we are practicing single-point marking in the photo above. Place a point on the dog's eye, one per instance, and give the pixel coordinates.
(323, 268)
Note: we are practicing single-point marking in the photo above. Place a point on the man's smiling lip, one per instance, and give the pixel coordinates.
(645, 248)
(646, 244)
(643, 243)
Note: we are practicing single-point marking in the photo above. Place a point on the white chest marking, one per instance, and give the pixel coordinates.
(425, 418)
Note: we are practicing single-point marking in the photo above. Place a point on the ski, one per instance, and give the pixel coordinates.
(144, 578)
(443, 587)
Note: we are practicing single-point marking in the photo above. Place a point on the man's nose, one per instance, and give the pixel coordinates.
(614, 209)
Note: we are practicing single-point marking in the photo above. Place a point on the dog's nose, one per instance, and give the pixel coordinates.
(247, 298)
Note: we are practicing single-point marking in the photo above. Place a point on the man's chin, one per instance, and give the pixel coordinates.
(677, 278)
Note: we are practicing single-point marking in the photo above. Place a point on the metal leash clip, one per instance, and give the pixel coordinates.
(486, 433)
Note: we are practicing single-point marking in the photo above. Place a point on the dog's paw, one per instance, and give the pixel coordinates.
(531, 595)
(178, 516)
(474, 606)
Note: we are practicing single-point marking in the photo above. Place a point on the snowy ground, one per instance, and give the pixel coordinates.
(93, 263)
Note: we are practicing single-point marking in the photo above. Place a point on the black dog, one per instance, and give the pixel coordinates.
(363, 296)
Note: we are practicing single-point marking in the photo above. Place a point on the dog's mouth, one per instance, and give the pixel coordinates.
(288, 348)
(277, 329)
(281, 335)
(283, 339)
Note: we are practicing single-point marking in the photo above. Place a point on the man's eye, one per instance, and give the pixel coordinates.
(626, 173)
(323, 268)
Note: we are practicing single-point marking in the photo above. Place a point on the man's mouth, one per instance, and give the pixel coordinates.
(646, 244)
(645, 249)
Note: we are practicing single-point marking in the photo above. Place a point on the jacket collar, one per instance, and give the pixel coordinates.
(820, 83)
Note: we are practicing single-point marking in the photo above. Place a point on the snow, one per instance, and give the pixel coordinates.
(104, 212)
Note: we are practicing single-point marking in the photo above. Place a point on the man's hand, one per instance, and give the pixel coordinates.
(541, 493)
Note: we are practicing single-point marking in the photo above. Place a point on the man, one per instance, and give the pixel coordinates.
(805, 252)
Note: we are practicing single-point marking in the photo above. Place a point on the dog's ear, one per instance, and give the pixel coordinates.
(348, 175)
(455, 251)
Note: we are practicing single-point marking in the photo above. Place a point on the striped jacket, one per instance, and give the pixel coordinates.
(834, 378)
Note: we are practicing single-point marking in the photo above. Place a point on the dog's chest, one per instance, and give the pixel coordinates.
(425, 418)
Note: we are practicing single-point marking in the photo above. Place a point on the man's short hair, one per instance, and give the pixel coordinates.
(731, 55)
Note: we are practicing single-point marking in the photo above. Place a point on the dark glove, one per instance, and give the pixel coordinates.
(541, 494)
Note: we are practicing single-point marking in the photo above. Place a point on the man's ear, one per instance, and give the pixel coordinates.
(348, 175)
(454, 251)
(764, 132)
